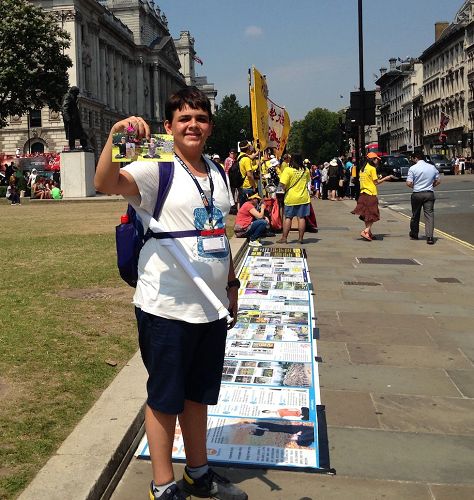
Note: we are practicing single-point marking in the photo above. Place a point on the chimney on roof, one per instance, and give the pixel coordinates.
(439, 28)
(393, 63)
(383, 71)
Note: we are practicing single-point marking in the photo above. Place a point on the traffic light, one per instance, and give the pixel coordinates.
(362, 107)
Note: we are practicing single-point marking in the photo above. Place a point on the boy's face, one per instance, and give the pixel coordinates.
(190, 128)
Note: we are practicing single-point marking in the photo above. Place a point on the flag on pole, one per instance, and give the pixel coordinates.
(443, 121)
(196, 58)
(278, 127)
(259, 108)
(284, 135)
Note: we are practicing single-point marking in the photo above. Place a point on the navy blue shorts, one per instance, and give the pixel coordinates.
(183, 360)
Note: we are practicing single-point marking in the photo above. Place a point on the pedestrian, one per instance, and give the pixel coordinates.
(347, 178)
(182, 341)
(462, 165)
(229, 160)
(315, 181)
(294, 180)
(333, 180)
(456, 165)
(367, 207)
(12, 193)
(324, 181)
(245, 160)
(354, 182)
(423, 177)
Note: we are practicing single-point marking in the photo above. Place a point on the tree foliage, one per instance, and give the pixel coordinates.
(33, 66)
(317, 136)
(229, 120)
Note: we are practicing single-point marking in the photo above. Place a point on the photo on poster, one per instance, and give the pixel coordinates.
(126, 147)
(250, 432)
(270, 373)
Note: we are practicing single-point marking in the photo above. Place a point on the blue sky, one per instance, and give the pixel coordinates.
(308, 49)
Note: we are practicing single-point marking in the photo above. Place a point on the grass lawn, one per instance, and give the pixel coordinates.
(66, 326)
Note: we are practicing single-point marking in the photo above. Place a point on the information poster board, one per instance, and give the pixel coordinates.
(269, 412)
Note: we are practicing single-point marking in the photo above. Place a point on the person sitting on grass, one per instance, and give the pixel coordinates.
(251, 222)
(56, 193)
(39, 189)
(12, 194)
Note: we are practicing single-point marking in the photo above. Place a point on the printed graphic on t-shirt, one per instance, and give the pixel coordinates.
(201, 222)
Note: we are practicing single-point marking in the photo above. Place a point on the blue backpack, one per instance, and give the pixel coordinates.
(130, 235)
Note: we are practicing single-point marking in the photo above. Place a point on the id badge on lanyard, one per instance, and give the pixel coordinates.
(213, 240)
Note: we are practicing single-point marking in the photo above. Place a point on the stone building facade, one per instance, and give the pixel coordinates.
(398, 87)
(125, 62)
(439, 83)
(444, 90)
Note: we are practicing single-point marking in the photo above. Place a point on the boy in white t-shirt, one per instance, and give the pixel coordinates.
(182, 341)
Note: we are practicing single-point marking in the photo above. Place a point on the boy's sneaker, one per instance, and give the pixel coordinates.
(212, 485)
(255, 243)
(171, 493)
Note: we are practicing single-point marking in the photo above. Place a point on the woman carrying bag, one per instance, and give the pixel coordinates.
(294, 181)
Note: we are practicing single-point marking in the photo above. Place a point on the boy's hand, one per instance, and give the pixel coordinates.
(135, 125)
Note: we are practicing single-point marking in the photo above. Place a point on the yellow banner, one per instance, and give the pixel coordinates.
(259, 108)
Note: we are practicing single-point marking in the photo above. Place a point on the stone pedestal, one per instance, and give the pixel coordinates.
(77, 174)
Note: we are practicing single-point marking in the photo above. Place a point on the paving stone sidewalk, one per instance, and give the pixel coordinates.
(397, 375)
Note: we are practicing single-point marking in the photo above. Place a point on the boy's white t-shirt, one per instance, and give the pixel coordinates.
(163, 288)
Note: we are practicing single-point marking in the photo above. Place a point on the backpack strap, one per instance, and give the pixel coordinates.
(166, 178)
(166, 173)
(222, 172)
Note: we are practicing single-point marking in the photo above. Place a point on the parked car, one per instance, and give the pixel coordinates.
(443, 165)
(396, 165)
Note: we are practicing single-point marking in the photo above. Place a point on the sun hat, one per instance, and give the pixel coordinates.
(255, 196)
(274, 162)
(216, 157)
(244, 145)
(373, 155)
(306, 160)
(333, 162)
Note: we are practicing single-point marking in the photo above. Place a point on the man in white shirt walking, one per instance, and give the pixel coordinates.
(422, 177)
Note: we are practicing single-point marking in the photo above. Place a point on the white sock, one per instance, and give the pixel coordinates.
(158, 490)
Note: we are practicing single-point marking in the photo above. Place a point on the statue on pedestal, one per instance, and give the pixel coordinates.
(72, 121)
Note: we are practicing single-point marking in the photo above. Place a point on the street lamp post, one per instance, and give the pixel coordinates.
(361, 128)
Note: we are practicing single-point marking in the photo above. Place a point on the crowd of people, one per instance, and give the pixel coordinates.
(21, 183)
(274, 192)
(289, 182)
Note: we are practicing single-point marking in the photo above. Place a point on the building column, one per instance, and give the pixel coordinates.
(119, 82)
(103, 77)
(111, 61)
(126, 94)
(140, 87)
(156, 92)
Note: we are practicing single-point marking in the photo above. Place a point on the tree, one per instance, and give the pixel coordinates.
(33, 66)
(317, 136)
(229, 120)
(294, 139)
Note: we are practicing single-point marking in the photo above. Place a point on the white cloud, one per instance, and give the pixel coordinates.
(253, 31)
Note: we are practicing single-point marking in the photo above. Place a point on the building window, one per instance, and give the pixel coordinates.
(35, 118)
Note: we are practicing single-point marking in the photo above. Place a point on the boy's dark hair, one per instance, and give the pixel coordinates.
(190, 96)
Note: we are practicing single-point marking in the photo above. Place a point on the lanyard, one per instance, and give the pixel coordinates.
(208, 205)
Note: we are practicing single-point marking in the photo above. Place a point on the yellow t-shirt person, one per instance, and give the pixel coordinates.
(367, 177)
(245, 165)
(296, 186)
